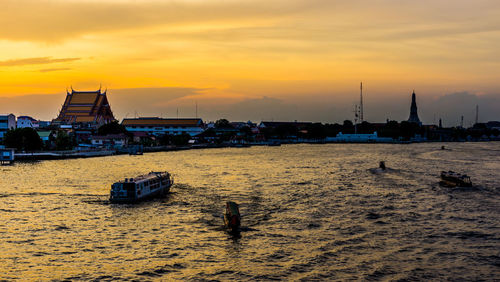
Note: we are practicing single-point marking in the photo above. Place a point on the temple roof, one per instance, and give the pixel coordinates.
(85, 106)
(155, 121)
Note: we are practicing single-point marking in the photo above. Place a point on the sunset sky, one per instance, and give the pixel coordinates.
(254, 59)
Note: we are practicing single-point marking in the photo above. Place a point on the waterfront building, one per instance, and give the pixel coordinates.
(44, 135)
(90, 108)
(359, 138)
(26, 121)
(110, 140)
(161, 126)
(7, 122)
(413, 110)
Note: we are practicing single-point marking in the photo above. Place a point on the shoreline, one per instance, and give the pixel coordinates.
(76, 154)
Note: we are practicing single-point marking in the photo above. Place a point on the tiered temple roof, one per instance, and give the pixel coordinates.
(85, 107)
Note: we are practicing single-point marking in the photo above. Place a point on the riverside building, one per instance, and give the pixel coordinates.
(161, 126)
(7, 122)
(26, 121)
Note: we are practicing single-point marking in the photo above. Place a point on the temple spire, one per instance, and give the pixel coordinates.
(413, 109)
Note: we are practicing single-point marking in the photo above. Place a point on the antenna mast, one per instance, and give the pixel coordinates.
(356, 118)
(361, 103)
(477, 114)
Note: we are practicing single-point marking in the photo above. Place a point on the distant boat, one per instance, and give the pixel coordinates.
(274, 143)
(382, 165)
(239, 145)
(135, 150)
(232, 218)
(454, 179)
(133, 190)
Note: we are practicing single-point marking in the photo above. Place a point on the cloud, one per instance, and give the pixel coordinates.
(43, 20)
(146, 101)
(451, 107)
(264, 108)
(35, 61)
(38, 106)
(54, 69)
(167, 100)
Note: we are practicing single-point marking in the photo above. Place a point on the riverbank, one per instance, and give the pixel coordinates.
(73, 154)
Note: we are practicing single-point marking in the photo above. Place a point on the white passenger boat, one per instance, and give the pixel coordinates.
(130, 190)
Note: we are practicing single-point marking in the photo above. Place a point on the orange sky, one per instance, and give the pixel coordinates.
(226, 52)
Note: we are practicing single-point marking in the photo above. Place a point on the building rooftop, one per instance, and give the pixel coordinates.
(85, 106)
(155, 121)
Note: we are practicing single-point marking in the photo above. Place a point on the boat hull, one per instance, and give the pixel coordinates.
(160, 193)
(452, 179)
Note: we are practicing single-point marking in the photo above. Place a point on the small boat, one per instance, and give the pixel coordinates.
(454, 179)
(274, 143)
(381, 165)
(232, 218)
(131, 190)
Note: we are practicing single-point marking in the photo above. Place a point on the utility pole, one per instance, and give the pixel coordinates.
(196, 109)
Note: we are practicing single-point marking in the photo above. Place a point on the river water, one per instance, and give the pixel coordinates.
(311, 212)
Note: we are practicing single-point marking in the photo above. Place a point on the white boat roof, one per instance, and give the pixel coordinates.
(151, 175)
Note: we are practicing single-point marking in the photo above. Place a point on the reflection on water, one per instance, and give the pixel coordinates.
(308, 212)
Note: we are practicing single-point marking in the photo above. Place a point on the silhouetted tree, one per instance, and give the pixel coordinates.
(25, 139)
(333, 129)
(348, 126)
(112, 128)
(391, 129)
(316, 131)
(366, 127)
(223, 123)
(64, 141)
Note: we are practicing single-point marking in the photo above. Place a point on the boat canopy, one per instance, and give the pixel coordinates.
(232, 207)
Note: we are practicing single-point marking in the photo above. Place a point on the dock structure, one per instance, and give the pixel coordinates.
(6, 156)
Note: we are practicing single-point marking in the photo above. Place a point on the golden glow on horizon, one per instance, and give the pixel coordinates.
(248, 48)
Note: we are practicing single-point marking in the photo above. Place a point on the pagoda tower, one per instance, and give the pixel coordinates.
(413, 110)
